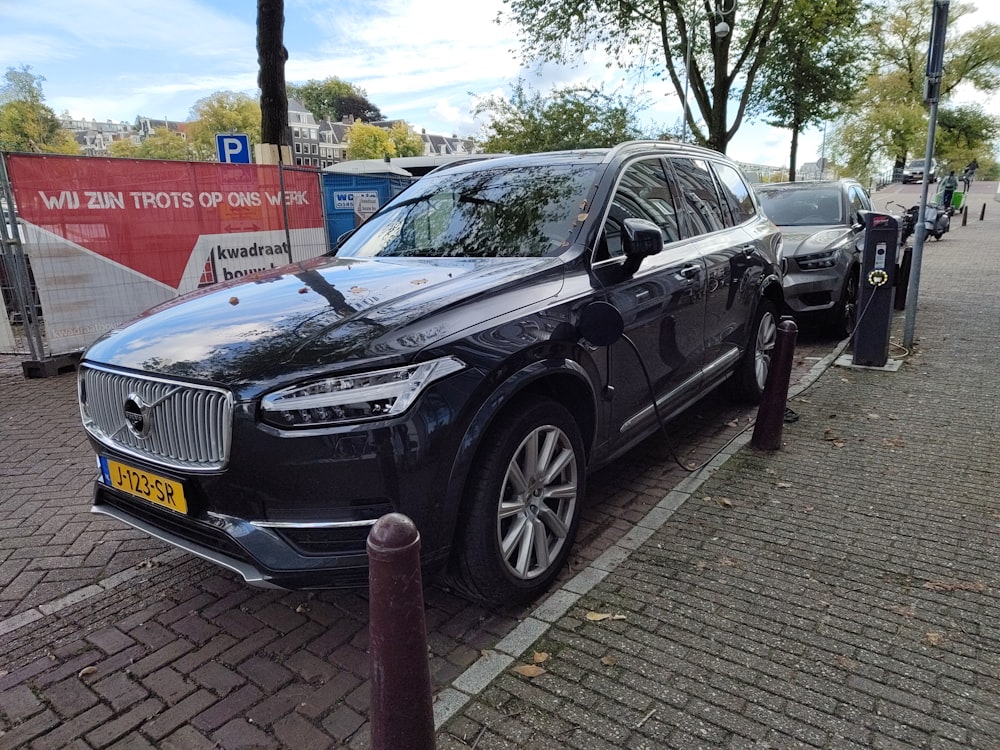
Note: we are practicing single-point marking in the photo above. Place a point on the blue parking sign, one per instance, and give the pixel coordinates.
(234, 148)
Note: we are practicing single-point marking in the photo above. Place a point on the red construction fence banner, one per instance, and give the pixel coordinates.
(109, 238)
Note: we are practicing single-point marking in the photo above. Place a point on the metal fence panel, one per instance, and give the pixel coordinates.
(109, 238)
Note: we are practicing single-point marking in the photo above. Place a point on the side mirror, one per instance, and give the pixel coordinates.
(641, 238)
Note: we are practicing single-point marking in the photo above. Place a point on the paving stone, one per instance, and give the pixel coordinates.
(239, 734)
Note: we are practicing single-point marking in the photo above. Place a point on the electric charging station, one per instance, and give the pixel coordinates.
(876, 290)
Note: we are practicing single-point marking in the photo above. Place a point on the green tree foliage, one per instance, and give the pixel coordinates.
(222, 112)
(654, 37)
(405, 142)
(124, 148)
(21, 85)
(333, 99)
(567, 118)
(162, 144)
(26, 123)
(814, 65)
(965, 133)
(369, 142)
(888, 119)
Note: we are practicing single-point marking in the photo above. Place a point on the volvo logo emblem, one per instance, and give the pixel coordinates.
(137, 415)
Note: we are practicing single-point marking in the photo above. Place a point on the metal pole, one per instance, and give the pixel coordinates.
(770, 421)
(935, 53)
(687, 80)
(402, 714)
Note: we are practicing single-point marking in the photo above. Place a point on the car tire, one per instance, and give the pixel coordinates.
(524, 500)
(844, 317)
(751, 373)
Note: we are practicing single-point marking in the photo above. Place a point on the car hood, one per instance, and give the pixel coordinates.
(318, 313)
(813, 239)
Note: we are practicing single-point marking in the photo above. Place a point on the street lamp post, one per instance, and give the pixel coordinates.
(721, 30)
(687, 80)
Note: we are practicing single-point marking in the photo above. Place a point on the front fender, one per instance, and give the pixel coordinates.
(563, 378)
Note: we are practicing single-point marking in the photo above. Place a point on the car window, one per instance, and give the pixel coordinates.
(736, 191)
(643, 192)
(486, 213)
(859, 202)
(699, 197)
(797, 206)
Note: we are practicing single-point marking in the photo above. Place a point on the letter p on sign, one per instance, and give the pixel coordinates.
(234, 148)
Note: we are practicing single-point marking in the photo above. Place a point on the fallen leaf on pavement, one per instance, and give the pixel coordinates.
(934, 639)
(528, 670)
(85, 671)
(601, 616)
(609, 661)
(539, 657)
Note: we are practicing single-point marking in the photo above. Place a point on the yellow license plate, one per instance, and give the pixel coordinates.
(156, 489)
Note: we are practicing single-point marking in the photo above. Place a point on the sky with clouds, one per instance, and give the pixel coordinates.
(424, 62)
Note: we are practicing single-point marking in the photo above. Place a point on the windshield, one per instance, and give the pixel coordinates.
(487, 213)
(803, 206)
(916, 164)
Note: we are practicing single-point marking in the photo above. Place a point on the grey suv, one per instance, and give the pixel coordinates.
(487, 338)
(823, 240)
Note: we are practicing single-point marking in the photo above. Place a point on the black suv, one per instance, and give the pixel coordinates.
(466, 357)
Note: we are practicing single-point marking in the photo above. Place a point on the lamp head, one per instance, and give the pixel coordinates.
(721, 29)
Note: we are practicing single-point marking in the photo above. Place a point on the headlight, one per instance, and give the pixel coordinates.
(354, 398)
(814, 261)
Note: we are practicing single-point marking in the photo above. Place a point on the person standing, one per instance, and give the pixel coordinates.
(969, 174)
(948, 187)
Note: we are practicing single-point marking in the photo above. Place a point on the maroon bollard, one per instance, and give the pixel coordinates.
(771, 412)
(402, 717)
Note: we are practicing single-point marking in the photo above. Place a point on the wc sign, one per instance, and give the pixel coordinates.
(234, 148)
(363, 202)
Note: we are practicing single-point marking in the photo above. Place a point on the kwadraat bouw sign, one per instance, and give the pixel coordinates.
(108, 238)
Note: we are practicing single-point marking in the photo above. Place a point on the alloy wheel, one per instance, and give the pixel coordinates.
(538, 500)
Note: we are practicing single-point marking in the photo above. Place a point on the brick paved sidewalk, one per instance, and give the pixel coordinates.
(815, 597)
(839, 593)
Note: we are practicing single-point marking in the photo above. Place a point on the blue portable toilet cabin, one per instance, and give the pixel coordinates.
(354, 190)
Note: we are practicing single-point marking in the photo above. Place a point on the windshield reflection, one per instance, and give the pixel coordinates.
(488, 213)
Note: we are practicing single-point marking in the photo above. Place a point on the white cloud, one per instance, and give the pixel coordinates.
(427, 63)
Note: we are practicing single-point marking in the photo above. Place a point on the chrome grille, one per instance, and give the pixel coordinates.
(188, 426)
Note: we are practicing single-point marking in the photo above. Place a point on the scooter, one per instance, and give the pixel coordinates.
(937, 221)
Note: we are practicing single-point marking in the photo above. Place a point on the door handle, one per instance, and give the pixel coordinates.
(690, 271)
(749, 250)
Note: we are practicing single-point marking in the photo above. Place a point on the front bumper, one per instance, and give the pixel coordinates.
(293, 509)
(809, 292)
(260, 555)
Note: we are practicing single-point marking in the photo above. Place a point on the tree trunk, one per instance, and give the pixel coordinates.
(271, 57)
(794, 153)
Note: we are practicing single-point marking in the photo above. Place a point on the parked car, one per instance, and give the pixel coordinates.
(914, 171)
(823, 241)
(488, 337)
